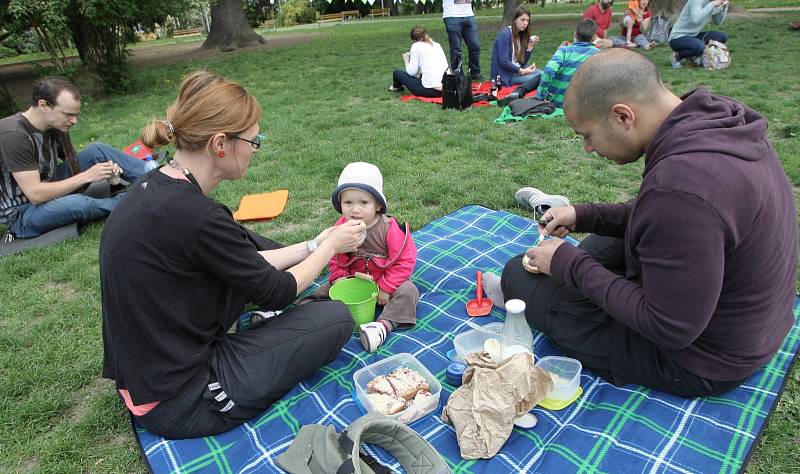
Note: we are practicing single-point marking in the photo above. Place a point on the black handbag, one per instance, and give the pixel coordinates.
(456, 88)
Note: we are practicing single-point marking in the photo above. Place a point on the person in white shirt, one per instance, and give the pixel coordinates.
(460, 22)
(425, 66)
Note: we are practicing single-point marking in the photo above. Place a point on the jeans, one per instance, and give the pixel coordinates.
(466, 28)
(400, 78)
(691, 46)
(34, 220)
(585, 331)
(527, 82)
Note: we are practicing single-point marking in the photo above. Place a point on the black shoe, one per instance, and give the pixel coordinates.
(476, 78)
(507, 99)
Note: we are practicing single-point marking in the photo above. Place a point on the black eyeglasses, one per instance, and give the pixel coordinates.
(256, 144)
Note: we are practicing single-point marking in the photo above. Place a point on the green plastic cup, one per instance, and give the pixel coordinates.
(359, 295)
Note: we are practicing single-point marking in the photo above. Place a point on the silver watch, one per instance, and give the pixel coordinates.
(312, 245)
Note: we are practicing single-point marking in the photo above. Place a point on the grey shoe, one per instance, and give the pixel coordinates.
(698, 61)
(673, 59)
(537, 201)
(493, 290)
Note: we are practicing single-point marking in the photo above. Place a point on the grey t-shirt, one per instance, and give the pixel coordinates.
(23, 148)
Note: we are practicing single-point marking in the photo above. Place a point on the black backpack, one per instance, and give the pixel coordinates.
(456, 88)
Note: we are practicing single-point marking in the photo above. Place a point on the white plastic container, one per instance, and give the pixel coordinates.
(472, 340)
(363, 376)
(567, 386)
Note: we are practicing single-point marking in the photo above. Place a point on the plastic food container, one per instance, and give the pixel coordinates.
(472, 340)
(567, 388)
(363, 376)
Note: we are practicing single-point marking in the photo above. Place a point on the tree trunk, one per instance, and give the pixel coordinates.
(509, 6)
(666, 7)
(229, 27)
(7, 104)
(77, 26)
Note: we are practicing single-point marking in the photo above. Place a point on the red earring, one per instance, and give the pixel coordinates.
(221, 154)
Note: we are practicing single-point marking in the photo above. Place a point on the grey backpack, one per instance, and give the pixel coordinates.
(660, 26)
(319, 449)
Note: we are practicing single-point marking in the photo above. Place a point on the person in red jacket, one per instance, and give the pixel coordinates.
(387, 254)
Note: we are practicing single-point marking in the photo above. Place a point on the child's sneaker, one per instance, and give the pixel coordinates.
(372, 335)
(673, 59)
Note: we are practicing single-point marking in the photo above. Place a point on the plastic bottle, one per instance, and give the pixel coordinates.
(149, 163)
(516, 335)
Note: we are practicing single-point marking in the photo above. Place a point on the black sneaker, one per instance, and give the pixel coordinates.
(476, 78)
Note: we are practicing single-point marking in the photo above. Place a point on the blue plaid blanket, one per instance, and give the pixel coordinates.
(609, 429)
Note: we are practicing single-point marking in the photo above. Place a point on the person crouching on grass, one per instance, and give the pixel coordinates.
(387, 254)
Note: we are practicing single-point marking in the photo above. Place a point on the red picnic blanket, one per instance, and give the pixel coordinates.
(477, 88)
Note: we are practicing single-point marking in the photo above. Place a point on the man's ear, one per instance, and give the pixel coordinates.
(623, 115)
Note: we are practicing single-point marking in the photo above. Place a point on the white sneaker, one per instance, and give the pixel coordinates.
(537, 201)
(698, 61)
(392, 88)
(372, 335)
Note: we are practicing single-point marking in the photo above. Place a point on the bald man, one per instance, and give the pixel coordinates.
(688, 288)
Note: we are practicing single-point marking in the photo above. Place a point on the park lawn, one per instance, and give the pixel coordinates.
(324, 105)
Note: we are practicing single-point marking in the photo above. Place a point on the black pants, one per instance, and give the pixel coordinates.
(586, 332)
(250, 370)
(400, 79)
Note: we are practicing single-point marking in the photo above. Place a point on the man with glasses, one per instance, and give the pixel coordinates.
(42, 176)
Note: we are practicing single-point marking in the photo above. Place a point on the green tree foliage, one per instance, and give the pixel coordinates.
(99, 29)
(297, 12)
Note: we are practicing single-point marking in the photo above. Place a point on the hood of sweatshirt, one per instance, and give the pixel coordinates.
(706, 123)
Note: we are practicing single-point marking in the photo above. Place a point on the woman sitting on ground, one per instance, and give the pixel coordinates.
(512, 49)
(687, 38)
(176, 272)
(425, 66)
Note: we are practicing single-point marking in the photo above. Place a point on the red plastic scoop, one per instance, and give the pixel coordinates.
(480, 306)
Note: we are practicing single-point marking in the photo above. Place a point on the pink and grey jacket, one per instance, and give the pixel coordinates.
(389, 272)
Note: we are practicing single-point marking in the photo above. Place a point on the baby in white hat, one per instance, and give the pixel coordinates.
(387, 253)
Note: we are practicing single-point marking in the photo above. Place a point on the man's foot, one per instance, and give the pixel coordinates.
(372, 335)
(508, 99)
(673, 59)
(698, 61)
(476, 78)
(537, 201)
(493, 290)
(392, 88)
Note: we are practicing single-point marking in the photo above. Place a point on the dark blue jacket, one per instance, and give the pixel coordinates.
(502, 60)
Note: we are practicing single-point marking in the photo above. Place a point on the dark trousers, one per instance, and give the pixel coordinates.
(691, 46)
(465, 28)
(584, 331)
(400, 78)
(250, 370)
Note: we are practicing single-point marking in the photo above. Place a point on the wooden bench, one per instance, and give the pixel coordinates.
(380, 12)
(188, 32)
(328, 17)
(349, 14)
(268, 24)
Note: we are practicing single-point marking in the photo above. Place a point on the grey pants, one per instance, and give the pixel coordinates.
(401, 308)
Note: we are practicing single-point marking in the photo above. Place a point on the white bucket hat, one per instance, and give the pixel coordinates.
(363, 176)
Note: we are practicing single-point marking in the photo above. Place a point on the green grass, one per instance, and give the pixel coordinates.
(324, 106)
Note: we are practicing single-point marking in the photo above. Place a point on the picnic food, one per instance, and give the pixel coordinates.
(386, 404)
(395, 391)
(526, 264)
